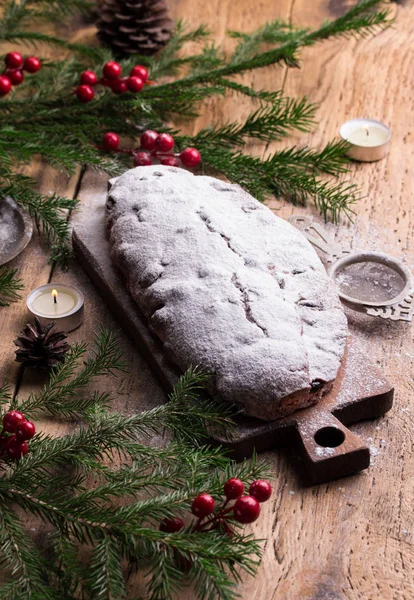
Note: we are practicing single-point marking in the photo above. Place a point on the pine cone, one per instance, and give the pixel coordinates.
(39, 348)
(134, 26)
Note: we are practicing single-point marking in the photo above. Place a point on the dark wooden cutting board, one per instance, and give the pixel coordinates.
(330, 449)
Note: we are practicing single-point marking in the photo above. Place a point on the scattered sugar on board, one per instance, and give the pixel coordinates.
(357, 371)
(373, 450)
(320, 451)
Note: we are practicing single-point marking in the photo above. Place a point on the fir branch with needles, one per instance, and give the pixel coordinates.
(43, 118)
(101, 532)
(10, 286)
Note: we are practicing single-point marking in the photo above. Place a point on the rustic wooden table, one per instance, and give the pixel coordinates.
(352, 538)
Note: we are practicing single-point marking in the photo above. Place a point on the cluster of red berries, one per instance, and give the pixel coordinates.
(111, 78)
(154, 147)
(15, 445)
(13, 73)
(246, 508)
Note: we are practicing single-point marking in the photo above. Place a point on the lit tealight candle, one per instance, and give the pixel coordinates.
(369, 139)
(57, 302)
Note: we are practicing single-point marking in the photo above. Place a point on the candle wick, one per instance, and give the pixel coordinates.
(55, 299)
(366, 130)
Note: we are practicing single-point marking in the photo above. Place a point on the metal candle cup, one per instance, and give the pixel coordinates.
(58, 302)
(369, 139)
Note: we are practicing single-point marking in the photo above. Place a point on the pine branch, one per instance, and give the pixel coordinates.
(5, 394)
(166, 579)
(116, 515)
(10, 285)
(211, 560)
(360, 20)
(21, 13)
(69, 571)
(19, 558)
(47, 211)
(276, 32)
(63, 395)
(268, 123)
(53, 124)
(106, 577)
(294, 182)
(260, 95)
(168, 63)
(33, 39)
(331, 160)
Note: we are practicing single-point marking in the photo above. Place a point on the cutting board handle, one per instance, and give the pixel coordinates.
(330, 449)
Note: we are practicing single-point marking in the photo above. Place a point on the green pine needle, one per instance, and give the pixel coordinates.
(50, 122)
(96, 525)
(10, 285)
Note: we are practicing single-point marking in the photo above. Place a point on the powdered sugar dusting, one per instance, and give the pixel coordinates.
(9, 226)
(325, 452)
(227, 285)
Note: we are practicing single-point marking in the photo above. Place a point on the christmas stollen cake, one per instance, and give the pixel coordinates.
(228, 286)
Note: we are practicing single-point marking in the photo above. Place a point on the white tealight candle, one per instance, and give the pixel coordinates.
(57, 302)
(369, 139)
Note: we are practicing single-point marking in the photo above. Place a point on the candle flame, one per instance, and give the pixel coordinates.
(54, 294)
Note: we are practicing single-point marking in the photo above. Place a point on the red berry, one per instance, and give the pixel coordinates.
(203, 505)
(261, 490)
(3, 441)
(12, 420)
(233, 488)
(190, 157)
(171, 525)
(32, 64)
(142, 159)
(164, 142)
(246, 509)
(15, 448)
(112, 70)
(5, 85)
(110, 141)
(135, 84)
(139, 71)
(148, 139)
(170, 161)
(118, 86)
(88, 78)
(85, 93)
(16, 77)
(25, 431)
(13, 60)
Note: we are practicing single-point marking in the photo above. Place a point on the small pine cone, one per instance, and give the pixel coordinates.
(39, 348)
(134, 26)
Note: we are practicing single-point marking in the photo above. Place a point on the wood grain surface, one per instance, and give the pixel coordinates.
(350, 539)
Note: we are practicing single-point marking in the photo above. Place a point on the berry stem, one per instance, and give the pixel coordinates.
(198, 525)
(131, 152)
(222, 513)
(123, 151)
(165, 154)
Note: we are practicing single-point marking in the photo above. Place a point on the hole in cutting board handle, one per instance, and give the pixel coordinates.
(329, 437)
